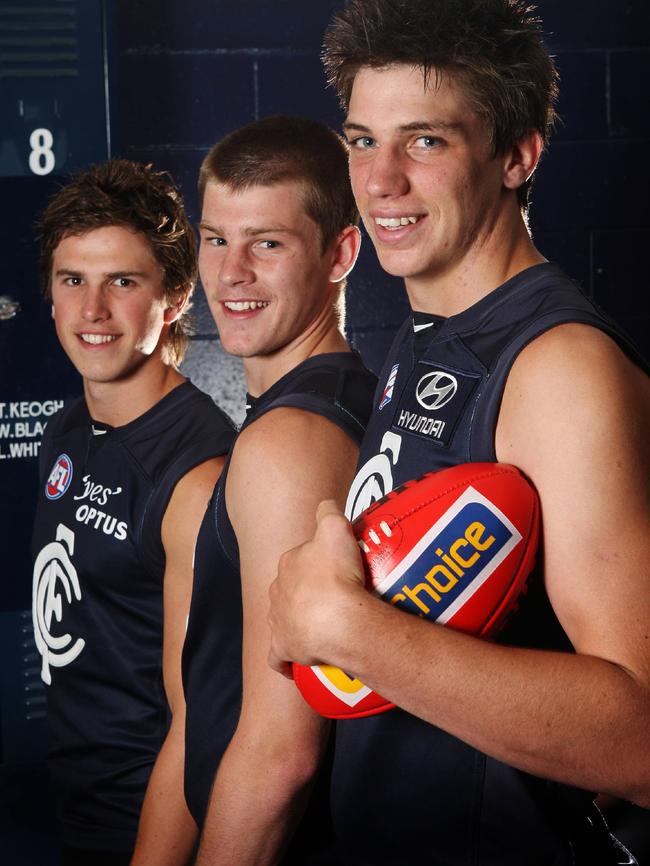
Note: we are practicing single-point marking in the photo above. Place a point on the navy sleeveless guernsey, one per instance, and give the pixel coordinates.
(98, 601)
(403, 791)
(338, 387)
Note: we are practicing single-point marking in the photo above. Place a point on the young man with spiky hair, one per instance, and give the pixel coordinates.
(278, 238)
(495, 750)
(126, 473)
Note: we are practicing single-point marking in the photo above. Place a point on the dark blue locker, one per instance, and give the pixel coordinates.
(55, 86)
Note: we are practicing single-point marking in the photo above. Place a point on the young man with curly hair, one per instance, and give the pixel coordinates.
(126, 473)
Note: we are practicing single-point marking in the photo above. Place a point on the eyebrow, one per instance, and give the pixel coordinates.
(67, 272)
(70, 272)
(413, 126)
(251, 231)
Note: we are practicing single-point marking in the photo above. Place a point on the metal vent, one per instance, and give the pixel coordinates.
(38, 40)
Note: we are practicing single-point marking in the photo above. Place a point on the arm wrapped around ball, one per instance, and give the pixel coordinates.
(455, 547)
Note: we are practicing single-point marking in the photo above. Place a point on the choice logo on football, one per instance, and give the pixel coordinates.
(455, 547)
(452, 560)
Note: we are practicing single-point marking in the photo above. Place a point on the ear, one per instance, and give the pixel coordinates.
(52, 313)
(521, 160)
(175, 310)
(344, 253)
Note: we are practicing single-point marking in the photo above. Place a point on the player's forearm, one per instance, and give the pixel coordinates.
(255, 805)
(574, 718)
(167, 832)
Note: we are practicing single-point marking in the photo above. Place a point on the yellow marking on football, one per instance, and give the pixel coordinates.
(341, 680)
(474, 536)
(466, 563)
(441, 587)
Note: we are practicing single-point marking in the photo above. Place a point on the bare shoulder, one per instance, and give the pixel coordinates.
(203, 476)
(293, 446)
(574, 349)
(292, 458)
(190, 498)
(572, 384)
(575, 418)
(197, 484)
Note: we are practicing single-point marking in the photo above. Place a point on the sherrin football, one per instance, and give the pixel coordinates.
(455, 547)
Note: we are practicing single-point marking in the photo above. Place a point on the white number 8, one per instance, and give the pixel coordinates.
(41, 158)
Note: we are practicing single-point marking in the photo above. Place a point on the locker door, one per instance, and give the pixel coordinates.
(54, 119)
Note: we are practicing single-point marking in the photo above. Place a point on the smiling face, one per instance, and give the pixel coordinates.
(262, 266)
(108, 303)
(429, 191)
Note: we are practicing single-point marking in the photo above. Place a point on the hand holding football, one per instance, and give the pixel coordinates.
(455, 546)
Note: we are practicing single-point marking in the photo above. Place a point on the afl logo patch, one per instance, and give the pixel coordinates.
(435, 390)
(59, 478)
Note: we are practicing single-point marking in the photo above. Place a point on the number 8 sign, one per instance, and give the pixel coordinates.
(41, 157)
(55, 116)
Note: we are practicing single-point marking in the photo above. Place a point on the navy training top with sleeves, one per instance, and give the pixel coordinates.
(98, 600)
(339, 388)
(403, 791)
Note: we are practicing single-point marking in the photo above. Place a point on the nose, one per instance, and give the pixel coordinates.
(236, 269)
(386, 176)
(94, 307)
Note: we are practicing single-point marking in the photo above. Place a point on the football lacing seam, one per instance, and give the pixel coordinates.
(456, 486)
(385, 528)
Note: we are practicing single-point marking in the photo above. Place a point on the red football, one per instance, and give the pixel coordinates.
(455, 547)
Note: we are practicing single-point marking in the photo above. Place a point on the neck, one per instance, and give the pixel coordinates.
(501, 253)
(119, 403)
(323, 336)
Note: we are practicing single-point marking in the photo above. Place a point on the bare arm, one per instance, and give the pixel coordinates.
(575, 419)
(281, 467)
(167, 832)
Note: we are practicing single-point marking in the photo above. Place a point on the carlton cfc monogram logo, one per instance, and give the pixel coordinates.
(435, 390)
(59, 478)
(375, 478)
(55, 577)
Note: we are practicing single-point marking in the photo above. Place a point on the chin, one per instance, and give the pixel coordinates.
(394, 268)
(238, 350)
(407, 268)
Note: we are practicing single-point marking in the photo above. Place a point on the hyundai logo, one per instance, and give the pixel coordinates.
(435, 390)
